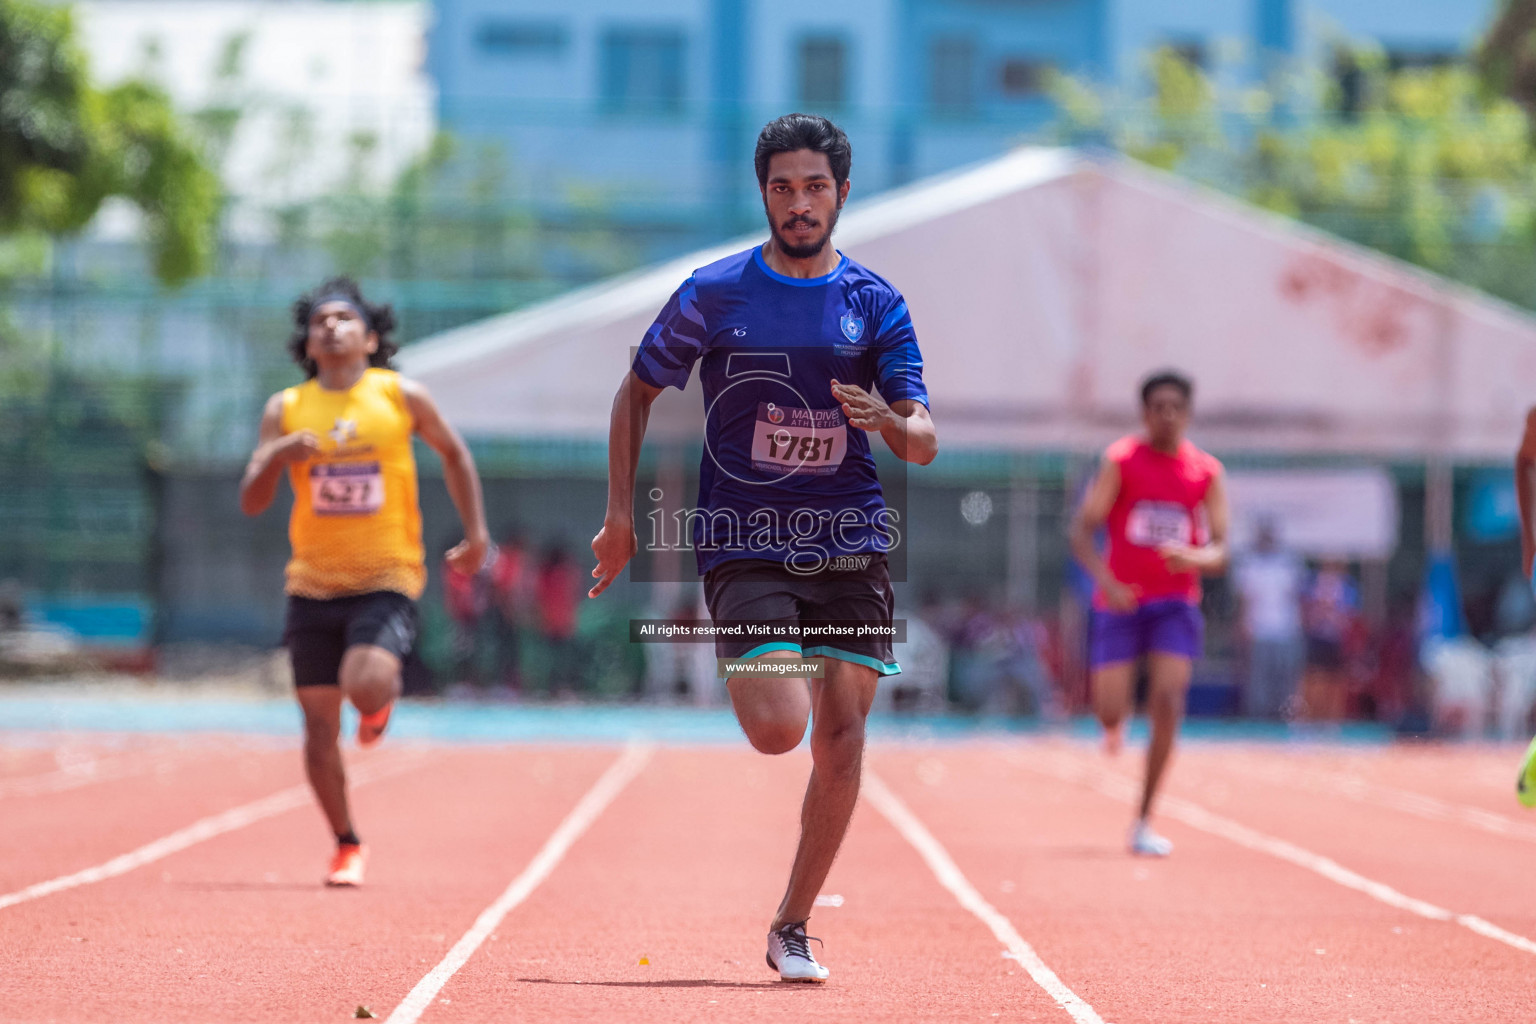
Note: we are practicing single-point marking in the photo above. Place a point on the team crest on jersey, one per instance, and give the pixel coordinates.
(853, 327)
(344, 431)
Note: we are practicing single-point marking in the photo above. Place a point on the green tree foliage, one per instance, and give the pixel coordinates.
(66, 146)
(1421, 163)
(1507, 56)
(446, 216)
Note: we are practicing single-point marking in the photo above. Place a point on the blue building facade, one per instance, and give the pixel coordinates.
(635, 109)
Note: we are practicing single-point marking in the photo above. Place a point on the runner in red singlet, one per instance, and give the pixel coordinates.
(1164, 503)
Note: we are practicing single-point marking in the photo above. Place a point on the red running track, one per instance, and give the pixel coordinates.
(685, 862)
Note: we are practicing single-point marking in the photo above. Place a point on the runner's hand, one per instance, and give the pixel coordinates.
(864, 410)
(1119, 597)
(296, 447)
(1181, 558)
(614, 546)
(468, 556)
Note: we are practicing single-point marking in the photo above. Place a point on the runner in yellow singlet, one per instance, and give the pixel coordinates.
(344, 439)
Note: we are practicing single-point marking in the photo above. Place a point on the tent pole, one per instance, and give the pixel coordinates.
(1439, 499)
(1023, 542)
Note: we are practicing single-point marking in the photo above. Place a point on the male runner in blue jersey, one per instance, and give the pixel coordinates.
(792, 339)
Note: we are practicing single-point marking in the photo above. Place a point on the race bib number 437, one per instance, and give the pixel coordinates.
(346, 488)
(800, 441)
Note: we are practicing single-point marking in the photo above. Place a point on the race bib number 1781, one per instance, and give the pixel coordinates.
(346, 488)
(799, 441)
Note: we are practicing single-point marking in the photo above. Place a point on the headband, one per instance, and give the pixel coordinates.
(351, 303)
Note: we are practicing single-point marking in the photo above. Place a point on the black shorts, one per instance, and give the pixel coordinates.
(318, 633)
(754, 590)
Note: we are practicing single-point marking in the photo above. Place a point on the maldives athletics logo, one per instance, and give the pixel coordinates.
(853, 327)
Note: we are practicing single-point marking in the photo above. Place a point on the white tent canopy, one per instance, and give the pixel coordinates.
(1044, 286)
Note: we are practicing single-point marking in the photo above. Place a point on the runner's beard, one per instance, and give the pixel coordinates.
(803, 250)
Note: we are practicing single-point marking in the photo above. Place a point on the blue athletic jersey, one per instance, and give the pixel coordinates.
(784, 476)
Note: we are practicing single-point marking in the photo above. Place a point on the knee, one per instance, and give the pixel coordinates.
(370, 687)
(1166, 705)
(320, 740)
(775, 735)
(838, 747)
(1109, 710)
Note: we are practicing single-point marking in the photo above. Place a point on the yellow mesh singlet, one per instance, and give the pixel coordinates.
(356, 523)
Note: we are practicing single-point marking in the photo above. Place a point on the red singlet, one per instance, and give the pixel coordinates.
(1160, 501)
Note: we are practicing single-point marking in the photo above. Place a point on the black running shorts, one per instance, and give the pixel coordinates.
(317, 633)
(855, 589)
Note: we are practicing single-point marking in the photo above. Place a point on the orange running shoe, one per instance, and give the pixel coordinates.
(370, 728)
(347, 866)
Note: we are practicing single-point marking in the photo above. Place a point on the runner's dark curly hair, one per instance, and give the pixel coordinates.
(381, 320)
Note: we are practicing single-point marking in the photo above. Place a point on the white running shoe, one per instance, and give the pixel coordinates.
(1146, 843)
(789, 953)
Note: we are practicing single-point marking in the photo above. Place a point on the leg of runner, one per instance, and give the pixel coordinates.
(370, 678)
(1167, 684)
(322, 754)
(842, 701)
(772, 712)
(1113, 687)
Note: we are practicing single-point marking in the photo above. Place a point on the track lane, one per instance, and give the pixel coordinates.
(1216, 933)
(56, 833)
(685, 870)
(1475, 789)
(239, 928)
(1466, 870)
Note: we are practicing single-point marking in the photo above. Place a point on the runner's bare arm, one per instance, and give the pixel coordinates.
(1525, 491)
(615, 543)
(1211, 557)
(458, 473)
(274, 451)
(1091, 515)
(905, 424)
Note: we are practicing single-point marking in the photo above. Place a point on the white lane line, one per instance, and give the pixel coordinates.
(1118, 787)
(199, 831)
(88, 772)
(950, 877)
(1362, 790)
(586, 811)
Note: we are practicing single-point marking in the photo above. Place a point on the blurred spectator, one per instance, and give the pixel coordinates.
(997, 664)
(466, 597)
(557, 593)
(1462, 673)
(1268, 583)
(1390, 693)
(675, 670)
(10, 606)
(1330, 613)
(510, 598)
(923, 682)
(1515, 663)
(1026, 669)
(1515, 609)
(976, 643)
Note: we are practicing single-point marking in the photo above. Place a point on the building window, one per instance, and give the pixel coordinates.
(503, 38)
(952, 75)
(823, 72)
(1023, 78)
(643, 70)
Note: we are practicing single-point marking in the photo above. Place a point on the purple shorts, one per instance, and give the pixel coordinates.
(1172, 626)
